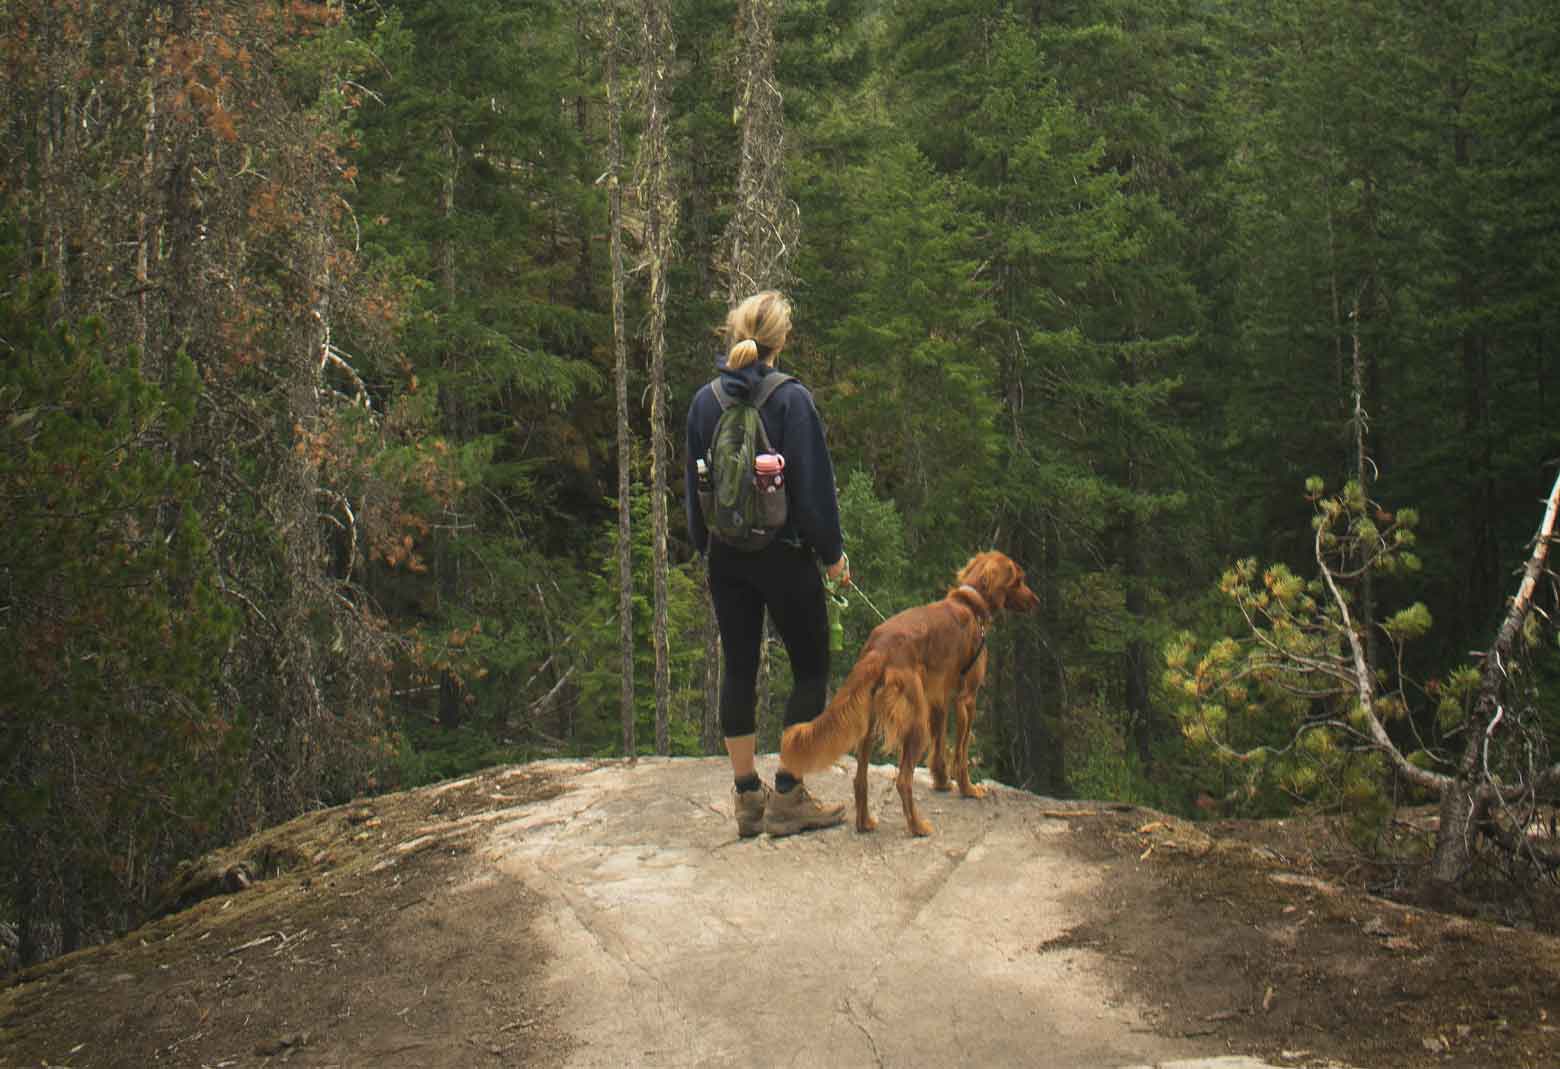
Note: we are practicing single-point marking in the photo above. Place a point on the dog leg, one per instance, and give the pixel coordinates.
(939, 762)
(914, 746)
(961, 751)
(865, 821)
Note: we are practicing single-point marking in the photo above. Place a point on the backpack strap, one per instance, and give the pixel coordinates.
(766, 386)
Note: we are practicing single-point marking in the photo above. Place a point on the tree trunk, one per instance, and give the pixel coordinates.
(1460, 813)
(1463, 805)
(143, 236)
(450, 706)
(444, 250)
(584, 269)
(625, 441)
(1053, 690)
(72, 918)
(764, 226)
(181, 227)
(661, 222)
(1362, 473)
(297, 492)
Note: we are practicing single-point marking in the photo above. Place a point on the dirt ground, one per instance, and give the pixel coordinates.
(1259, 933)
(337, 954)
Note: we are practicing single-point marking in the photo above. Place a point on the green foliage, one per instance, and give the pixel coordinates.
(451, 199)
(875, 540)
(1102, 763)
(907, 340)
(1281, 698)
(425, 754)
(596, 653)
(114, 629)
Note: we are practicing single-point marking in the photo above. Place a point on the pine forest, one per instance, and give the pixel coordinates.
(346, 349)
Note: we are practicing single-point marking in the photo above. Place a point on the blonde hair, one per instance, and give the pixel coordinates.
(757, 329)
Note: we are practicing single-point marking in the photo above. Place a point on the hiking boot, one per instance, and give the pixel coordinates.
(750, 810)
(795, 810)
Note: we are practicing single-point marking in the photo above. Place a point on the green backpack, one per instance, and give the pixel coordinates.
(737, 509)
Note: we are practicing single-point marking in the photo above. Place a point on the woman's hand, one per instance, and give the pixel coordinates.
(839, 571)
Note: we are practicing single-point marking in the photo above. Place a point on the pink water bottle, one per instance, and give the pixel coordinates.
(769, 481)
(770, 469)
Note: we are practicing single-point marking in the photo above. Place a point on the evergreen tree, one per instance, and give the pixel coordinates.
(116, 749)
(904, 347)
(469, 189)
(183, 185)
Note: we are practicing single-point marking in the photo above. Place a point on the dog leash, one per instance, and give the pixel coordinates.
(868, 600)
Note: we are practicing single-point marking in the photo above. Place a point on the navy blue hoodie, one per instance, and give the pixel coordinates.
(796, 433)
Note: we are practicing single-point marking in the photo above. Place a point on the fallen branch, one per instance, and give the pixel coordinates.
(540, 705)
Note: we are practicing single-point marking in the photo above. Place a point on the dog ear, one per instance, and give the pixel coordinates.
(1015, 581)
(998, 576)
(984, 572)
(1007, 579)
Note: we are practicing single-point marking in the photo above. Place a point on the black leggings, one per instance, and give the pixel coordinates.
(785, 580)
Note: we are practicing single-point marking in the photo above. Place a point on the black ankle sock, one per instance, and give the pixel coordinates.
(749, 782)
(784, 781)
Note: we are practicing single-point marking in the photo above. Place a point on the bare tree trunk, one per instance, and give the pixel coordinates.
(1053, 698)
(625, 440)
(446, 559)
(764, 226)
(1363, 472)
(297, 492)
(584, 273)
(143, 237)
(180, 226)
(661, 221)
(444, 252)
(1464, 806)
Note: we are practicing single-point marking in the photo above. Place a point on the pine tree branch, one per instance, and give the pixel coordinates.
(1364, 681)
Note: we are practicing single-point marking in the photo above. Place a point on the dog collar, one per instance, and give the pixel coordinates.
(982, 624)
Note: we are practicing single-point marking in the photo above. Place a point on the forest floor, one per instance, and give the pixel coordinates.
(416, 930)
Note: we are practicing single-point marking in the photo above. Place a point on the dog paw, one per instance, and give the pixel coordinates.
(921, 828)
(972, 790)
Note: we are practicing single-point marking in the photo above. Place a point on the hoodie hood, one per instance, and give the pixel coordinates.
(740, 383)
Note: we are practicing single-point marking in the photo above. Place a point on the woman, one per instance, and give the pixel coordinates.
(782, 577)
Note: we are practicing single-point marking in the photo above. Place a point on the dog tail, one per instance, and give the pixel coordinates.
(808, 747)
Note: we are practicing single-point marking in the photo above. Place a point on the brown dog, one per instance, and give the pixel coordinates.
(912, 666)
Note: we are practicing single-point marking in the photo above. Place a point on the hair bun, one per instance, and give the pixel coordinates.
(742, 354)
